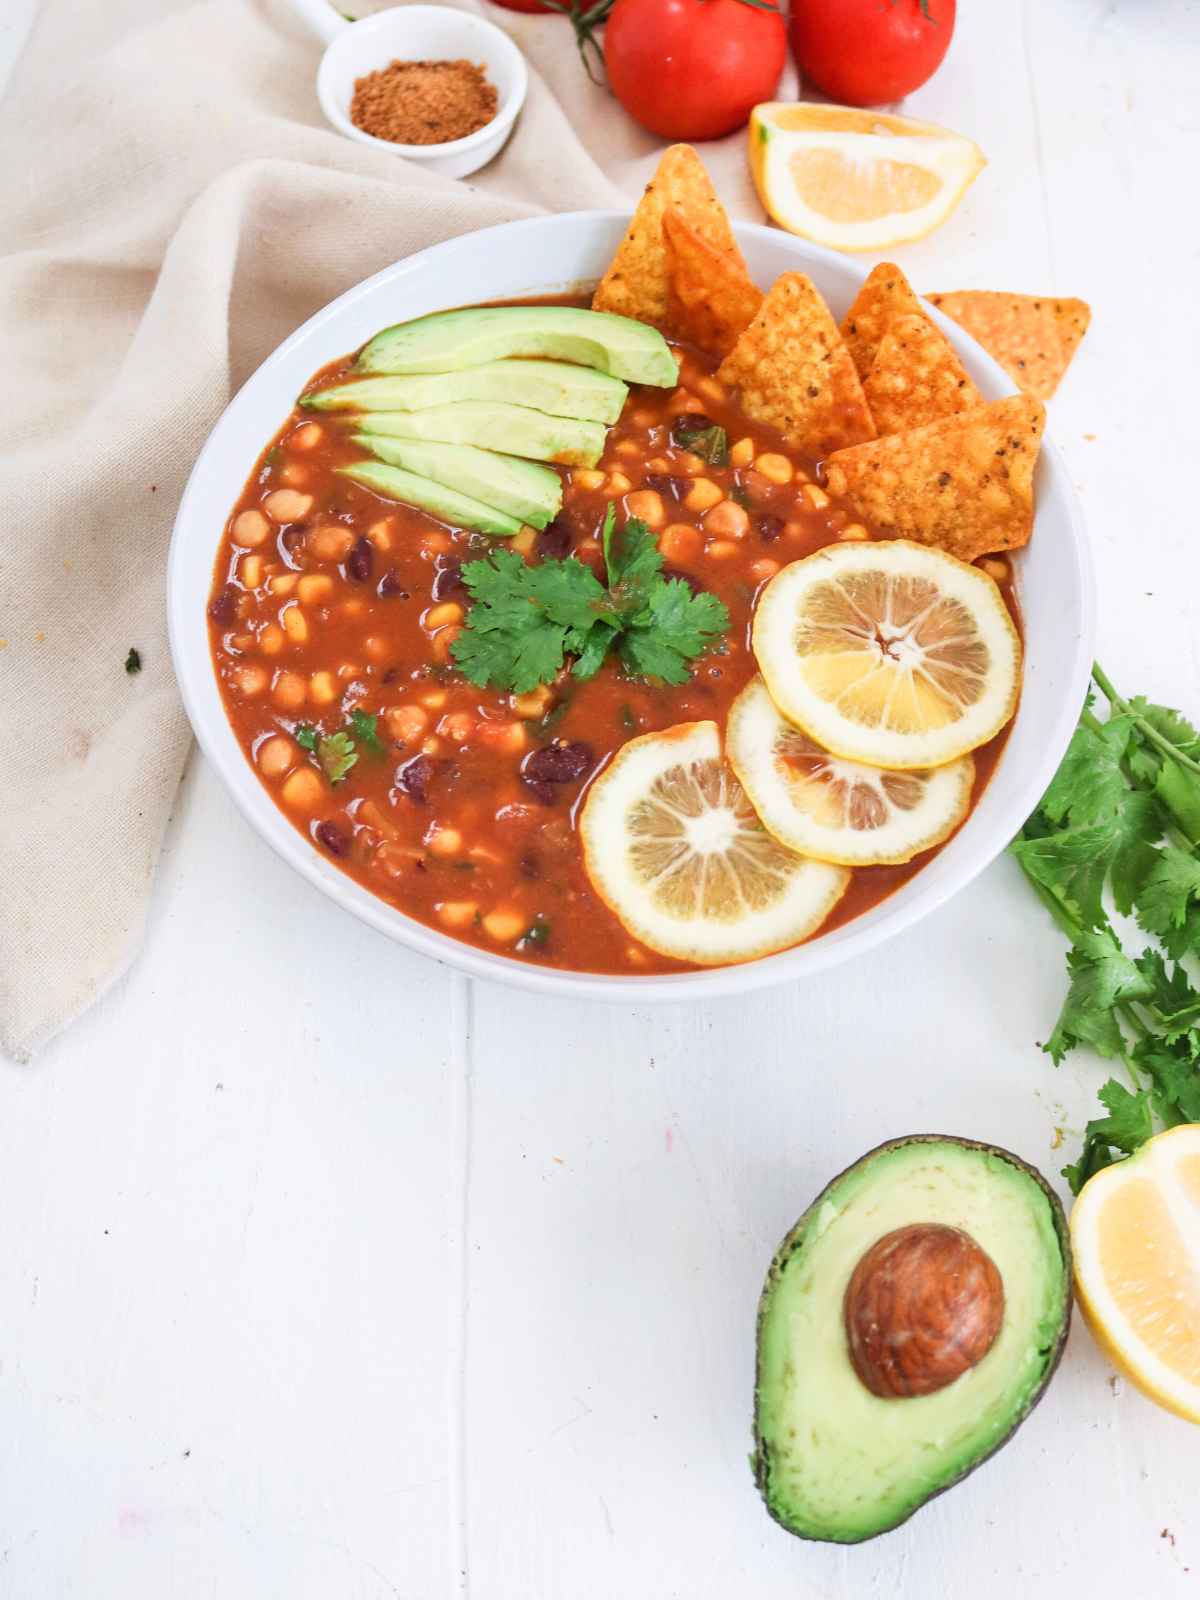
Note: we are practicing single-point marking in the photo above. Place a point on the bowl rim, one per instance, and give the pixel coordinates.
(821, 954)
(471, 26)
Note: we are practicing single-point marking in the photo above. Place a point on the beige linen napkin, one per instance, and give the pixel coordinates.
(172, 205)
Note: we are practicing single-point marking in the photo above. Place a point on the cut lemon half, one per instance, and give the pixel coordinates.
(838, 810)
(890, 653)
(1135, 1233)
(673, 846)
(857, 180)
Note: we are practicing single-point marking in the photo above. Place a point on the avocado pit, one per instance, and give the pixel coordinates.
(923, 1306)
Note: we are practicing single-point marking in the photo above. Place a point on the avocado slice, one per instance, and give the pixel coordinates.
(554, 386)
(519, 488)
(958, 1348)
(495, 425)
(447, 341)
(458, 510)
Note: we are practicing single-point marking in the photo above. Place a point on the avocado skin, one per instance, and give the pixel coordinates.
(759, 1462)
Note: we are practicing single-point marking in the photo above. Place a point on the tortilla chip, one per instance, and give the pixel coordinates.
(635, 284)
(886, 295)
(916, 378)
(1033, 338)
(964, 484)
(795, 373)
(711, 298)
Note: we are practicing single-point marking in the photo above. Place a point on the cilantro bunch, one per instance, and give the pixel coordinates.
(1120, 825)
(527, 620)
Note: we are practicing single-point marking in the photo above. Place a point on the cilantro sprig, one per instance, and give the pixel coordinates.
(526, 621)
(1120, 825)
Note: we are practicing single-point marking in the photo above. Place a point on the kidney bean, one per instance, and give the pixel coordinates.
(390, 587)
(768, 527)
(558, 762)
(448, 582)
(223, 607)
(361, 560)
(414, 777)
(332, 837)
(665, 484)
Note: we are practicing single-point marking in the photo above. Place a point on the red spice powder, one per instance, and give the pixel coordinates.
(423, 102)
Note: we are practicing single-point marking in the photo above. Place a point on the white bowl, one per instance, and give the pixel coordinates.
(549, 255)
(425, 33)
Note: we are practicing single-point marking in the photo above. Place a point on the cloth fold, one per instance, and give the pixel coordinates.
(173, 206)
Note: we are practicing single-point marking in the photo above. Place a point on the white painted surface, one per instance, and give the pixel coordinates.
(325, 1273)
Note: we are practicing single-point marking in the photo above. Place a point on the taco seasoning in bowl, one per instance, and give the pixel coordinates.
(424, 102)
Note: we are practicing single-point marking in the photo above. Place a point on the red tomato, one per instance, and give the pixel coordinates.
(867, 52)
(524, 5)
(693, 69)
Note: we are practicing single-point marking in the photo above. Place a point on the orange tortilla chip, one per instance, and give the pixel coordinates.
(1032, 337)
(964, 484)
(916, 378)
(885, 295)
(795, 373)
(635, 284)
(711, 298)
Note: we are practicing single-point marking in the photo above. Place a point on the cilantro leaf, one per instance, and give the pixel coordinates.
(1179, 791)
(1102, 977)
(1128, 1125)
(1175, 1082)
(592, 650)
(633, 562)
(306, 736)
(1075, 863)
(675, 626)
(1090, 785)
(708, 441)
(1166, 902)
(364, 727)
(337, 755)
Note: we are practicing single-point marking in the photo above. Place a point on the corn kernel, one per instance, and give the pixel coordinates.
(721, 549)
(457, 913)
(627, 447)
(250, 571)
(433, 746)
(435, 544)
(507, 736)
(295, 625)
(817, 498)
(380, 533)
(314, 587)
(703, 495)
(435, 699)
(681, 400)
(587, 478)
(618, 483)
(282, 583)
(443, 841)
(742, 453)
(322, 686)
(270, 640)
(775, 467)
(289, 691)
(854, 531)
(524, 541)
(303, 791)
(534, 704)
(505, 927)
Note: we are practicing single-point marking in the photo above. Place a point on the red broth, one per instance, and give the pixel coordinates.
(328, 598)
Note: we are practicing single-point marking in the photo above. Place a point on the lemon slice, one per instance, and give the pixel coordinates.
(857, 180)
(838, 810)
(674, 848)
(1135, 1233)
(888, 652)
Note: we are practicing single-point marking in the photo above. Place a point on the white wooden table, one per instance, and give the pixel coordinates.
(324, 1272)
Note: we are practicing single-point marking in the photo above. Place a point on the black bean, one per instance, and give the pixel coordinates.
(390, 587)
(665, 484)
(414, 777)
(768, 527)
(558, 762)
(448, 582)
(684, 577)
(545, 793)
(222, 608)
(556, 540)
(332, 837)
(360, 561)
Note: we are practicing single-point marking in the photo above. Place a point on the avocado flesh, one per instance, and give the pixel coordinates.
(557, 387)
(836, 1462)
(522, 489)
(447, 341)
(494, 425)
(458, 510)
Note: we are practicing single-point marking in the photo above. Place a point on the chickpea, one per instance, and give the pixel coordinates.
(330, 543)
(441, 841)
(457, 913)
(307, 436)
(322, 686)
(587, 478)
(681, 400)
(680, 542)
(271, 639)
(775, 467)
(712, 391)
(703, 495)
(761, 570)
(435, 544)
(282, 583)
(294, 473)
(406, 723)
(647, 506)
(618, 483)
(251, 680)
(627, 447)
(289, 691)
(536, 703)
(250, 528)
(505, 926)
(435, 699)
(508, 736)
(303, 791)
(380, 533)
(721, 549)
(287, 505)
(443, 639)
(688, 461)
(275, 756)
(727, 520)
(458, 726)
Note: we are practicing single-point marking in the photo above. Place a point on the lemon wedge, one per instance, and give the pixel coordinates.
(1135, 1233)
(890, 653)
(838, 810)
(857, 180)
(674, 848)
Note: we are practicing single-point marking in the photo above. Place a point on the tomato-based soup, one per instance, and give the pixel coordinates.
(462, 809)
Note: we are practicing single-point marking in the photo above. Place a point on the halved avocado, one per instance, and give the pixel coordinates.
(458, 510)
(446, 341)
(494, 425)
(910, 1322)
(523, 489)
(558, 387)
